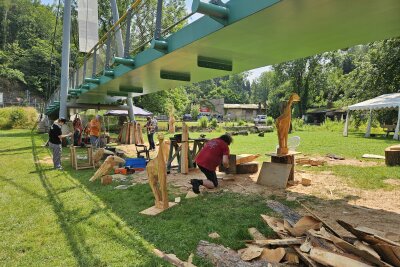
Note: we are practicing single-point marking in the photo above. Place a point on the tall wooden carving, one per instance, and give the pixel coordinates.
(139, 134)
(171, 122)
(283, 124)
(185, 150)
(157, 175)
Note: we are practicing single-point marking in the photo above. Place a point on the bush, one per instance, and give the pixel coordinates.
(18, 117)
(298, 124)
(333, 126)
(269, 121)
(214, 123)
(241, 123)
(203, 122)
(195, 111)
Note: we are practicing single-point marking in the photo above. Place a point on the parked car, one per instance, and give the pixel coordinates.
(219, 117)
(260, 119)
(187, 117)
(204, 114)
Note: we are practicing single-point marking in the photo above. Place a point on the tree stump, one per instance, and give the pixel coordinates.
(287, 159)
(392, 156)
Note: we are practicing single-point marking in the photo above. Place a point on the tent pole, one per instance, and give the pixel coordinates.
(368, 133)
(346, 125)
(396, 132)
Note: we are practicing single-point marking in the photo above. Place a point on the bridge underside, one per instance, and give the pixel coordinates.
(258, 33)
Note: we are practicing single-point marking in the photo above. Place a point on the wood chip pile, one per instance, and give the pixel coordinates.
(307, 241)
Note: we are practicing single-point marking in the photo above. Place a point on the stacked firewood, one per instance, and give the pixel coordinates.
(307, 241)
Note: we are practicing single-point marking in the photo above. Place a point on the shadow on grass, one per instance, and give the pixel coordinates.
(2, 151)
(69, 220)
(20, 134)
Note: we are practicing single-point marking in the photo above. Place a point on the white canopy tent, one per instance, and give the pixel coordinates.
(387, 101)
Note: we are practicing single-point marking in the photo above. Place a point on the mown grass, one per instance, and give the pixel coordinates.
(59, 218)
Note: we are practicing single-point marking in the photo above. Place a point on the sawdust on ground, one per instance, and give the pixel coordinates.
(329, 197)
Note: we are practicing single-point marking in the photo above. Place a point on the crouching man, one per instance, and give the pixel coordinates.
(210, 157)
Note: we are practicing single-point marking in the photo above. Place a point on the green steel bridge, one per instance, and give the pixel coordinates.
(230, 38)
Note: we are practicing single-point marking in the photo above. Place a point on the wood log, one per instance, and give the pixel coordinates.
(185, 150)
(106, 167)
(245, 158)
(287, 159)
(392, 157)
(250, 167)
(221, 256)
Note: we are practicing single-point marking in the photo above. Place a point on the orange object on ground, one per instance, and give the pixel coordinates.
(121, 171)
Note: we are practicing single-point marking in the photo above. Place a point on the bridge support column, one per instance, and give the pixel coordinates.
(130, 107)
(65, 58)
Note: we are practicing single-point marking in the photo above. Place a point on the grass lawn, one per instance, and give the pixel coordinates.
(59, 218)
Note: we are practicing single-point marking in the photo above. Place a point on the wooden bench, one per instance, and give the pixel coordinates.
(388, 128)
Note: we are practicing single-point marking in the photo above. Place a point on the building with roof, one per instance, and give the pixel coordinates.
(243, 111)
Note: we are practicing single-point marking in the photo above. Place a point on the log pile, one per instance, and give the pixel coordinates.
(307, 241)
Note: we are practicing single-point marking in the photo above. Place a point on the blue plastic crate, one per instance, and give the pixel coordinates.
(136, 163)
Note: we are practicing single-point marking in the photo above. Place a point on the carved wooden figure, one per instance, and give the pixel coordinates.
(157, 175)
(106, 167)
(171, 123)
(283, 124)
(139, 134)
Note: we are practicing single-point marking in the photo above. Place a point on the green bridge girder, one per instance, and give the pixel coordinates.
(255, 34)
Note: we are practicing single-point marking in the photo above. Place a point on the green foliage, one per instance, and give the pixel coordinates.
(195, 111)
(203, 122)
(241, 123)
(269, 121)
(214, 123)
(298, 124)
(17, 117)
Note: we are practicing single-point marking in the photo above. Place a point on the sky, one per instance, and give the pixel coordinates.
(253, 74)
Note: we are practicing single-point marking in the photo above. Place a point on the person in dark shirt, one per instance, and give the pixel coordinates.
(215, 152)
(55, 137)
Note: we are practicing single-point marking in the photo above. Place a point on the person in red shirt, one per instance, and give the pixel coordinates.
(210, 157)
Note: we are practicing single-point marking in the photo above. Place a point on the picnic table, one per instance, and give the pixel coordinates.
(388, 128)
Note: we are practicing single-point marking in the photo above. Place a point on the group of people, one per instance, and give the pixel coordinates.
(56, 136)
(214, 152)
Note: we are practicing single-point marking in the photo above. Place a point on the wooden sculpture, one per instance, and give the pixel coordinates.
(139, 134)
(185, 150)
(283, 124)
(98, 155)
(157, 175)
(171, 122)
(106, 167)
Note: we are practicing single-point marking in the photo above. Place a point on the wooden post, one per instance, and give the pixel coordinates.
(185, 149)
